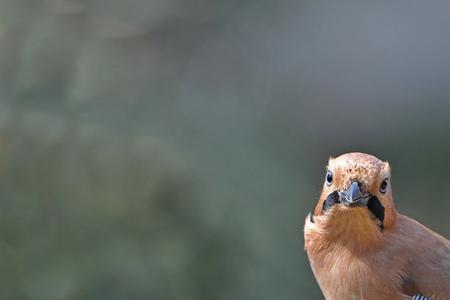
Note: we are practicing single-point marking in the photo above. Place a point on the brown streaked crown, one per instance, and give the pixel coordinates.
(361, 167)
(365, 169)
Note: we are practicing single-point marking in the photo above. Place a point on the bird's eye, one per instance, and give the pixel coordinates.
(383, 186)
(329, 178)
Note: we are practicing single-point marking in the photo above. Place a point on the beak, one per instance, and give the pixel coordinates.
(353, 195)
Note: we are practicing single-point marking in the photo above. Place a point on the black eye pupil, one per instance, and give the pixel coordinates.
(383, 186)
(329, 177)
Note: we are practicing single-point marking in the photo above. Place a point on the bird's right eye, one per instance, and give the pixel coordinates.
(329, 178)
(383, 186)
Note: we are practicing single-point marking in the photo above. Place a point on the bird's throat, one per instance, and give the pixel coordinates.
(354, 228)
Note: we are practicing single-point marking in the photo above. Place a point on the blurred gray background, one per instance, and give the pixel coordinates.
(170, 149)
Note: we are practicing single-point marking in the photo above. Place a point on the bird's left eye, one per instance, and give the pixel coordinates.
(383, 186)
(329, 177)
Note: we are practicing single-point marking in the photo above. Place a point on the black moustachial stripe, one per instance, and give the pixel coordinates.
(331, 200)
(311, 217)
(375, 206)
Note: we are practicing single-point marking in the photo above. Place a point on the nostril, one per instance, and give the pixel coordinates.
(357, 183)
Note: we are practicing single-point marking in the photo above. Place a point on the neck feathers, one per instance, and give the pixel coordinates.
(355, 229)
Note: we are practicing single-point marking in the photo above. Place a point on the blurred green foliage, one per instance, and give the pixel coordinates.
(170, 149)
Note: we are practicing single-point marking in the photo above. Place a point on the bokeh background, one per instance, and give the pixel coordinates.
(170, 149)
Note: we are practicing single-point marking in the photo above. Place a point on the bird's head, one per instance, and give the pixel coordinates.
(356, 195)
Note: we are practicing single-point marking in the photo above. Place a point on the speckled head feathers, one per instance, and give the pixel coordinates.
(373, 176)
(356, 166)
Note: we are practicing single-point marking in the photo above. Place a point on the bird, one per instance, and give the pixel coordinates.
(361, 248)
